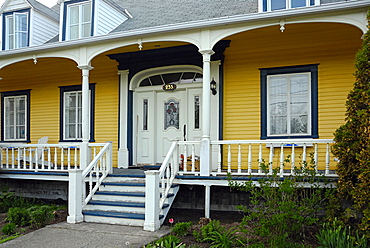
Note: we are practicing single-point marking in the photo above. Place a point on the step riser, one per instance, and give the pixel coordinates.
(111, 220)
(122, 188)
(118, 198)
(115, 208)
(124, 179)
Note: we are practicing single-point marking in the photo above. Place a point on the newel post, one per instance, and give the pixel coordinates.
(151, 201)
(75, 196)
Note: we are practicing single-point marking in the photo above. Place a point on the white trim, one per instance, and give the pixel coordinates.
(201, 24)
(123, 152)
(309, 110)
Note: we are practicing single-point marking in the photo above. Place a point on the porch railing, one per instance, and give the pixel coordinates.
(258, 157)
(44, 157)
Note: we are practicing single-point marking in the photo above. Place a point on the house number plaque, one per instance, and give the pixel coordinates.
(169, 87)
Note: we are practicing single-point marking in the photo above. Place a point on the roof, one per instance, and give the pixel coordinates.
(151, 13)
(37, 6)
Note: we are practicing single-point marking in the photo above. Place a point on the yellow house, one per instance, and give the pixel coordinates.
(195, 89)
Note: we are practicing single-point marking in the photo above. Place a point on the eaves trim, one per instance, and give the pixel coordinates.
(192, 25)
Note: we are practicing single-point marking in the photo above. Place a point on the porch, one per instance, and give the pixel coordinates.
(157, 187)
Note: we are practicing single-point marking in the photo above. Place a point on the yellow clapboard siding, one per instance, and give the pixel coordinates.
(331, 46)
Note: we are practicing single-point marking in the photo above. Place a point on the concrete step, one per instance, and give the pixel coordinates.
(133, 186)
(119, 196)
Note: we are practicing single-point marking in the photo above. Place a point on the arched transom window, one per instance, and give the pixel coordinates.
(175, 78)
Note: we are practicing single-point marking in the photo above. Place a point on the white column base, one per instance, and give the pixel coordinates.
(123, 155)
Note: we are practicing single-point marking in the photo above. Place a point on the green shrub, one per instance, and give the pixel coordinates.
(18, 216)
(207, 230)
(8, 229)
(169, 241)
(181, 228)
(40, 215)
(224, 239)
(334, 235)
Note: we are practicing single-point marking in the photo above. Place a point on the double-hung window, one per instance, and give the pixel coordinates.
(79, 20)
(15, 116)
(71, 113)
(289, 102)
(271, 5)
(16, 30)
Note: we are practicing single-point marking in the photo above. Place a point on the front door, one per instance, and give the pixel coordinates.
(162, 117)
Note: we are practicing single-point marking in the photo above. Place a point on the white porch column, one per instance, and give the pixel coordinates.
(75, 194)
(152, 195)
(205, 146)
(123, 153)
(85, 115)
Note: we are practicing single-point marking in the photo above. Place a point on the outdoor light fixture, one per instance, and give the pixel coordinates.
(213, 87)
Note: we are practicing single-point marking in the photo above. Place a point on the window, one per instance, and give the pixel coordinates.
(16, 30)
(289, 102)
(271, 5)
(71, 113)
(15, 116)
(79, 20)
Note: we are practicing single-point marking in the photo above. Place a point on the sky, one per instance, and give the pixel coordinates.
(48, 3)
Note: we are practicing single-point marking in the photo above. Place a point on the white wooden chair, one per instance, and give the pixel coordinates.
(36, 156)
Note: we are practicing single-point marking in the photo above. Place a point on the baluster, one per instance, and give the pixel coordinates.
(304, 156)
(316, 157)
(62, 158)
(75, 156)
(97, 170)
(260, 159)
(42, 158)
(56, 157)
(192, 157)
(18, 157)
(282, 160)
(1, 158)
(185, 167)
(7, 158)
(13, 159)
(293, 159)
(24, 154)
(69, 158)
(91, 181)
(250, 159)
(239, 158)
(49, 156)
(229, 159)
(271, 158)
(219, 158)
(327, 160)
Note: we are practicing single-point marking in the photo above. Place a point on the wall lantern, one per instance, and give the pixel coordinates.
(213, 87)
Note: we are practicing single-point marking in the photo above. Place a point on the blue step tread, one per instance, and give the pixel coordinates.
(116, 214)
(131, 184)
(121, 204)
(118, 193)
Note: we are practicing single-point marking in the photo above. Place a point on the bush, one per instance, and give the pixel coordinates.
(40, 215)
(207, 230)
(8, 229)
(169, 241)
(19, 216)
(181, 228)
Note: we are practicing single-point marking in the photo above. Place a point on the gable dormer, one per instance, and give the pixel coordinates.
(85, 18)
(26, 23)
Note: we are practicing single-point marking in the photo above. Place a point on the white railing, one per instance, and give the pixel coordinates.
(258, 157)
(39, 157)
(162, 180)
(98, 169)
(93, 175)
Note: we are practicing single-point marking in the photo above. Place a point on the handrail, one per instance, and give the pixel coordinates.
(167, 172)
(101, 164)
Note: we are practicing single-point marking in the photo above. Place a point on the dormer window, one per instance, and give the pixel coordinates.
(16, 31)
(79, 20)
(271, 5)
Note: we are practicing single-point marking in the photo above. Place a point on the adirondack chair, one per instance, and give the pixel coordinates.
(37, 154)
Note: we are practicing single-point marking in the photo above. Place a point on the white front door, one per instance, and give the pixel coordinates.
(162, 117)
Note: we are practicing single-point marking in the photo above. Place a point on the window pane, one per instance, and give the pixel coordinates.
(73, 32)
(171, 114)
(278, 4)
(278, 125)
(21, 22)
(74, 15)
(86, 13)
(10, 22)
(86, 30)
(145, 114)
(15, 118)
(298, 3)
(298, 124)
(171, 77)
(196, 112)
